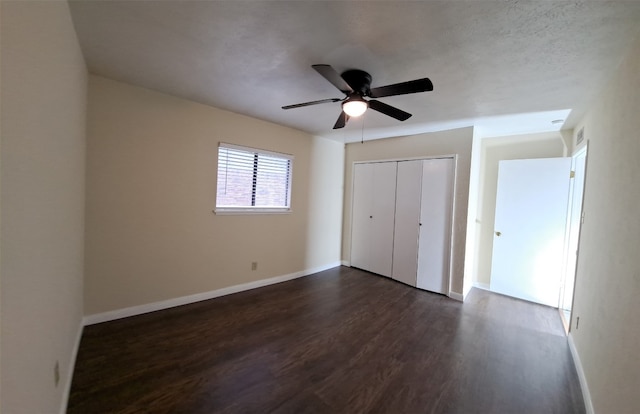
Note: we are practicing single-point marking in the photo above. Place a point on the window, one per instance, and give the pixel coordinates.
(252, 180)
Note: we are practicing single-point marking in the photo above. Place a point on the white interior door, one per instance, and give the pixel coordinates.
(530, 219)
(407, 226)
(573, 230)
(434, 245)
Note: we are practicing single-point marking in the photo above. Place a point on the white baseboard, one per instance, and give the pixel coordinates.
(72, 367)
(466, 288)
(185, 300)
(319, 269)
(345, 263)
(483, 286)
(586, 395)
(457, 296)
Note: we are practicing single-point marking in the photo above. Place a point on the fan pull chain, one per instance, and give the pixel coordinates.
(362, 133)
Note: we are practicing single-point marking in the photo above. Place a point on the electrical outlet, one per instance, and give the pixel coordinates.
(254, 265)
(56, 373)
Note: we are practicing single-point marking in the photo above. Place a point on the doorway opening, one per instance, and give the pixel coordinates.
(537, 227)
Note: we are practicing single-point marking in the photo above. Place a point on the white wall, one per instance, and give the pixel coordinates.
(151, 232)
(457, 141)
(473, 223)
(44, 87)
(608, 276)
(493, 150)
(325, 192)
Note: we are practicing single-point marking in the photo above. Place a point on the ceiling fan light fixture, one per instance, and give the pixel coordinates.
(354, 106)
(356, 85)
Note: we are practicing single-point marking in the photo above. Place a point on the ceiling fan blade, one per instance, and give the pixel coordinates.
(393, 112)
(334, 77)
(300, 105)
(342, 120)
(414, 86)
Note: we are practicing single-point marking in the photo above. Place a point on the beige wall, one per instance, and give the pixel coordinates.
(451, 142)
(44, 87)
(608, 276)
(151, 232)
(546, 145)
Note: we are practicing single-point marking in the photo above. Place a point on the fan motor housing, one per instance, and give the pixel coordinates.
(359, 80)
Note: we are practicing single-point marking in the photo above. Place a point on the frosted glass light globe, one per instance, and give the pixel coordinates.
(354, 107)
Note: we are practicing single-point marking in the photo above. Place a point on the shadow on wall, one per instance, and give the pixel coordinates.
(325, 201)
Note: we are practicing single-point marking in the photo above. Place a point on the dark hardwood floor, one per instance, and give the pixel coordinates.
(341, 341)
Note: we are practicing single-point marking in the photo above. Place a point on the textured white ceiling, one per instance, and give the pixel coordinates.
(486, 59)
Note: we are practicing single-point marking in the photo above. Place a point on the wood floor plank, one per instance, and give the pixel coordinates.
(342, 340)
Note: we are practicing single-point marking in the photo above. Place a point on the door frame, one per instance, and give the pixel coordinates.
(567, 254)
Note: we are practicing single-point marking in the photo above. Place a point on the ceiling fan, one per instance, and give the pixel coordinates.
(356, 85)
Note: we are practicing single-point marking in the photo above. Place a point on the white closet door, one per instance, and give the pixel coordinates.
(407, 227)
(384, 206)
(362, 210)
(373, 215)
(435, 225)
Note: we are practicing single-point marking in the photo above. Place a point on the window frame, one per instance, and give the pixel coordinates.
(230, 210)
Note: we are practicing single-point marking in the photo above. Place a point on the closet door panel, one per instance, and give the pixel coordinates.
(361, 223)
(407, 226)
(435, 231)
(383, 206)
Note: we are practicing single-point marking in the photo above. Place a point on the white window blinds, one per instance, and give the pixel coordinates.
(252, 180)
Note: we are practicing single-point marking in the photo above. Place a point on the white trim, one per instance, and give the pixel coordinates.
(417, 158)
(466, 289)
(588, 405)
(345, 263)
(457, 296)
(253, 149)
(184, 300)
(483, 286)
(222, 211)
(452, 227)
(320, 268)
(72, 367)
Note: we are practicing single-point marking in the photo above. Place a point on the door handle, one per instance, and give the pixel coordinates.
(498, 234)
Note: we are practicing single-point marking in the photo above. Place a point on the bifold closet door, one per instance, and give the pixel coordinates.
(373, 216)
(435, 224)
(407, 227)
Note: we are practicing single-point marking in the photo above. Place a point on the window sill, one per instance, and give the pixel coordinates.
(244, 211)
